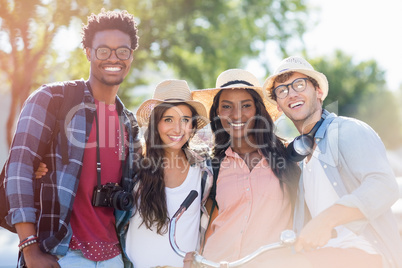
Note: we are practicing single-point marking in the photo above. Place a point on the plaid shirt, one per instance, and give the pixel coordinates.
(50, 207)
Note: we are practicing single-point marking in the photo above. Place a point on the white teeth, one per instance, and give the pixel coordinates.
(176, 137)
(237, 124)
(113, 69)
(296, 104)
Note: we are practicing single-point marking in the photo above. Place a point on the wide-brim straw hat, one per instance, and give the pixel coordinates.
(234, 79)
(299, 65)
(171, 91)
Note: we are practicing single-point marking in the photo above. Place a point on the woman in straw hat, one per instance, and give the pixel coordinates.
(168, 171)
(256, 182)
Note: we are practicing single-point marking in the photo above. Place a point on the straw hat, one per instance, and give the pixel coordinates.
(232, 79)
(299, 65)
(171, 91)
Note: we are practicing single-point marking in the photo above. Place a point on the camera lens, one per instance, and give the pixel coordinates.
(122, 200)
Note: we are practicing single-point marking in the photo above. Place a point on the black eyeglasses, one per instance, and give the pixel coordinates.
(122, 53)
(298, 85)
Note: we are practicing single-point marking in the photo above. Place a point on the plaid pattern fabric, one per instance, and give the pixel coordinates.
(55, 192)
(207, 177)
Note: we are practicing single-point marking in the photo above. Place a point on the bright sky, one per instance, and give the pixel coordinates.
(364, 29)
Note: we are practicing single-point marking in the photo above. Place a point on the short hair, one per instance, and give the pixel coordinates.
(110, 20)
(284, 77)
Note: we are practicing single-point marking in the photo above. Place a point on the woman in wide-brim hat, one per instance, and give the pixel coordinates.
(171, 91)
(232, 79)
(255, 182)
(167, 172)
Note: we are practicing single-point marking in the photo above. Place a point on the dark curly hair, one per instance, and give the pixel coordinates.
(110, 20)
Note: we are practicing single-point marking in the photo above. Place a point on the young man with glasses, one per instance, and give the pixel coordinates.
(347, 186)
(84, 203)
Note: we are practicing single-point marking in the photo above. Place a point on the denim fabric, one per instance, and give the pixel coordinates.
(355, 162)
(75, 259)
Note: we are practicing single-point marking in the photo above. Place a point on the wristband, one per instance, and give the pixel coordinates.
(32, 239)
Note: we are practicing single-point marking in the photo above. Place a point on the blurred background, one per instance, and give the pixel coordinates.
(357, 44)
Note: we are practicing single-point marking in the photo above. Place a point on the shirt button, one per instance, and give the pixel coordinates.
(325, 166)
(248, 189)
(335, 183)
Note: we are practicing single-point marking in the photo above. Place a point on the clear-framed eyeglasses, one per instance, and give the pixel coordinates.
(298, 85)
(104, 53)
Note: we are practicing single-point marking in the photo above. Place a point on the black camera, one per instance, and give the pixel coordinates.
(112, 195)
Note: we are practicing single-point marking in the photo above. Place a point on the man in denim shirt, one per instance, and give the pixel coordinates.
(64, 227)
(347, 186)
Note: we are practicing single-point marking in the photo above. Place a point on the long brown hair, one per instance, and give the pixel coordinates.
(270, 145)
(150, 196)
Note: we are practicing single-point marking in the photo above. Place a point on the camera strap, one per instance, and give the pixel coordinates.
(98, 162)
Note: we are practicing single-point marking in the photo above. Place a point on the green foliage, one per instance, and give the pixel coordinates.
(77, 65)
(349, 82)
(381, 111)
(358, 90)
(195, 39)
(200, 39)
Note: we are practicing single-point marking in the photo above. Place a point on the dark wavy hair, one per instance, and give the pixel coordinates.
(270, 145)
(110, 20)
(150, 196)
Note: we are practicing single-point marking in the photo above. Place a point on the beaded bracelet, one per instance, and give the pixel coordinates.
(32, 239)
(26, 239)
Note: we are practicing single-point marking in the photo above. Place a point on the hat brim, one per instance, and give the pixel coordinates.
(145, 110)
(206, 97)
(319, 77)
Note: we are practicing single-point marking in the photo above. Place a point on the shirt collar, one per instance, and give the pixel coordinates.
(231, 153)
(324, 126)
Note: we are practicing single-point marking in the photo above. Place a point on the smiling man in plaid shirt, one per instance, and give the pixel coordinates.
(57, 221)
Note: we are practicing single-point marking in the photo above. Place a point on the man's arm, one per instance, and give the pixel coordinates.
(319, 230)
(33, 131)
(366, 170)
(32, 134)
(33, 256)
(363, 156)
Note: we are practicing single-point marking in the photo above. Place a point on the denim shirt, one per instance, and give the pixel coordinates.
(355, 162)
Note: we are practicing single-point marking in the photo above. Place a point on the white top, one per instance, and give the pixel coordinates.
(319, 195)
(145, 248)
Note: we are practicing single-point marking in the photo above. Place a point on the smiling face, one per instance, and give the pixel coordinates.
(301, 107)
(236, 111)
(112, 71)
(175, 128)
